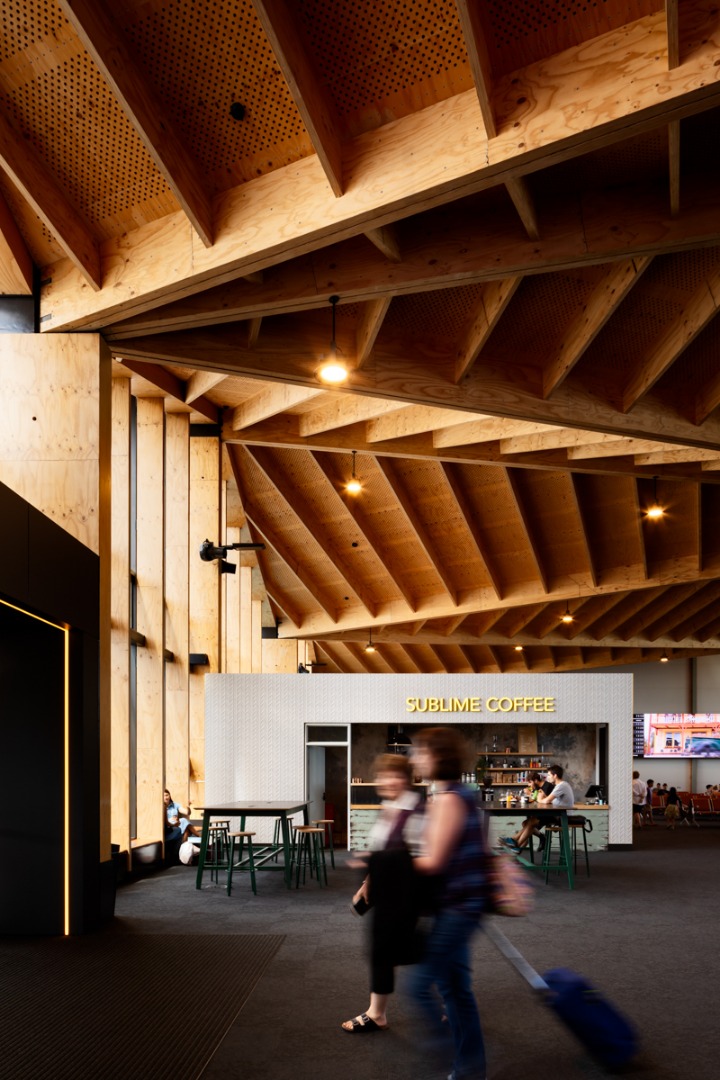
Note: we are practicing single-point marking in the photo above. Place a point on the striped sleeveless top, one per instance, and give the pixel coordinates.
(464, 880)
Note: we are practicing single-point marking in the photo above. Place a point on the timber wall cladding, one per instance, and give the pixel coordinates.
(255, 724)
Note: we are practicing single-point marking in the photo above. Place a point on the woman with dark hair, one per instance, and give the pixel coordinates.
(454, 853)
(177, 825)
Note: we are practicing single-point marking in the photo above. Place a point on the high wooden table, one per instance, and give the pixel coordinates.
(531, 810)
(243, 810)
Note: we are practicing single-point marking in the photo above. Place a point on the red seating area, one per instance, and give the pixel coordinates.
(702, 803)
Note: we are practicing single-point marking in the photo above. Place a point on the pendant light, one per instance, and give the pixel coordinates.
(333, 371)
(353, 486)
(664, 658)
(655, 511)
(568, 616)
(370, 647)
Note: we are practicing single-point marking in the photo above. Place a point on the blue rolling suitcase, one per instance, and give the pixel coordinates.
(599, 1026)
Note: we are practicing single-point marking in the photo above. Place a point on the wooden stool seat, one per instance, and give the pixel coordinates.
(309, 852)
(327, 827)
(241, 836)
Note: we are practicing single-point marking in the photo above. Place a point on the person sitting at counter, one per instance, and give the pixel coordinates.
(390, 890)
(562, 795)
(530, 826)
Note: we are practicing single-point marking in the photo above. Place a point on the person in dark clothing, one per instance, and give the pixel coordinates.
(531, 825)
(390, 892)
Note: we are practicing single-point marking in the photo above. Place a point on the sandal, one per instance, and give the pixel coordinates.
(362, 1025)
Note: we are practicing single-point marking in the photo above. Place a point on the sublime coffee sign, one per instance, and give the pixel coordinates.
(475, 705)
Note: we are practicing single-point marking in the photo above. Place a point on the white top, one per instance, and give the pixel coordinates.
(413, 829)
(562, 795)
(639, 791)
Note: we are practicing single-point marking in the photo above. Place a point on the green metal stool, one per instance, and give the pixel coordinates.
(218, 839)
(240, 865)
(577, 822)
(309, 853)
(564, 856)
(327, 827)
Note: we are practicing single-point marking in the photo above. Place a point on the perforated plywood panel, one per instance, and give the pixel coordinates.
(640, 160)
(548, 502)
(254, 724)
(612, 521)
(204, 55)
(56, 97)
(524, 31)
(442, 313)
(383, 60)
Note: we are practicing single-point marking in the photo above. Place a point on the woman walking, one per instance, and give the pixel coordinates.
(454, 853)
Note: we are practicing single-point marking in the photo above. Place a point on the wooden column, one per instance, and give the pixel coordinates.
(246, 627)
(150, 616)
(177, 553)
(120, 617)
(256, 636)
(279, 656)
(204, 594)
(231, 583)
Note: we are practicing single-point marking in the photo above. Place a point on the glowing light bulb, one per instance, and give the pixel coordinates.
(353, 487)
(654, 513)
(369, 647)
(518, 648)
(333, 372)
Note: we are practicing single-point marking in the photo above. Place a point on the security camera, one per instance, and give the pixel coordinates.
(208, 551)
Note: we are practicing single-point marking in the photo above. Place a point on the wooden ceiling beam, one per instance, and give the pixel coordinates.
(272, 590)
(515, 490)
(496, 296)
(449, 249)
(438, 656)
(271, 400)
(363, 523)
(659, 602)
(459, 496)
(709, 592)
(385, 239)
(174, 387)
(577, 495)
(519, 191)
(474, 667)
(39, 188)
(477, 52)
(323, 647)
(410, 420)
(552, 438)
(16, 265)
(290, 215)
(523, 619)
(707, 398)
(281, 24)
(408, 652)
(387, 468)
(527, 641)
(496, 658)
(588, 613)
(368, 329)
(690, 626)
(341, 410)
(95, 26)
(674, 162)
(200, 382)
(582, 330)
(293, 498)
(697, 313)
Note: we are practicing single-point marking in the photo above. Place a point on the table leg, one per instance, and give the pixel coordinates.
(203, 849)
(287, 869)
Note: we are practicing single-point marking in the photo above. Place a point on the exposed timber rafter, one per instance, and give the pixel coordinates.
(103, 39)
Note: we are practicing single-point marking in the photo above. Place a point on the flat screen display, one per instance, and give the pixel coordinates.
(677, 735)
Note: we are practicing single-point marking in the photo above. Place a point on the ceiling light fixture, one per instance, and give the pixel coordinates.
(518, 648)
(333, 370)
(655, 511)
(353, 486)
(370, 647)
(568, 617)
(664, 658)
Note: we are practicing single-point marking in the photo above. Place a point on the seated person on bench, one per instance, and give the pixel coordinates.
(177, 825)
(562, 794)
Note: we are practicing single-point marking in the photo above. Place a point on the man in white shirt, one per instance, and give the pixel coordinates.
(639, 797)
(562, 794)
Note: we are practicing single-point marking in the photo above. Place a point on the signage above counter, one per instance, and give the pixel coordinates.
(475, 705)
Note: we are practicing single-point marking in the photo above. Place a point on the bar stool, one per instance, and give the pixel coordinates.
(232, 865)
(576, 823)
(309, 852)
(218, 839)
(327, 826)
(564, 856)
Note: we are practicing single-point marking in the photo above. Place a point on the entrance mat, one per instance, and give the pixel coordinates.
(126, 1005)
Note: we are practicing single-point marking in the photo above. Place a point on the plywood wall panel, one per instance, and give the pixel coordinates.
(177, 700)
(120, 617)
(150, 616)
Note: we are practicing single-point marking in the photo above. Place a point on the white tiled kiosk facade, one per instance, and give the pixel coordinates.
(255, 724)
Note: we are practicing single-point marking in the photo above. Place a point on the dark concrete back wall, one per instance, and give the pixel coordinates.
(569, 745)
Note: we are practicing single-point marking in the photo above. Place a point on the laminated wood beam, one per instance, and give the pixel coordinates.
(363, 523)
(280, 22)
(104, 41)
(576, 490)
(495, 298)
(16, 266)
(387, 468)
(640, 521)
(171, 385)
(448, 249)
(385, 239)
(581, 331)
(368, 329)
(286, 490)
(698, 312)
(253, 331)
(470, 657)
(438, 656)
(461, 501)
(496, 658)
(521, 195)
(271, 400)
(177, 602)
(681, 616)
(408, 652)
(526, 525)
(659, 602)
(31, 176)
(410, 420)
(579, 100)
(341, 410)
(477, 50)
(199, 384)
(323, 648)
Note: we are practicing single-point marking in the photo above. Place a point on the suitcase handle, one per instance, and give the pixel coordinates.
(517, 960)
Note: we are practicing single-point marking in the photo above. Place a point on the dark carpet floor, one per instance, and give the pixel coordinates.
(645, 928)
(112, 1007)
